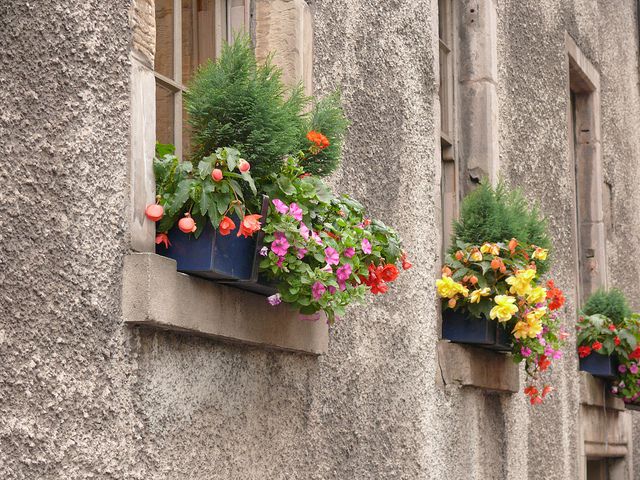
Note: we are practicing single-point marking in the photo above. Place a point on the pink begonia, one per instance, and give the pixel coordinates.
(331, 256)
(366, 246)
(525, 351)
(280, 245)
(316, 238)
(281, 207)
(304, 231)
(317, 290)
(295, 211)
(274, 299)
(349, 252)
(301, 253)
(343, 273)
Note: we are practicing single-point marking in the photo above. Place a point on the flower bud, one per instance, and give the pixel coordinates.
(216, 174)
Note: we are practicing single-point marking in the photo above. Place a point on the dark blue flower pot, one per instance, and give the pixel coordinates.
(460, 327)
(603, 366)
(632, 406)
(228, 259)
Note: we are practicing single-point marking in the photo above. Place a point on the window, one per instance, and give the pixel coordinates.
(584, 121)
(449, 169)
(188, 32)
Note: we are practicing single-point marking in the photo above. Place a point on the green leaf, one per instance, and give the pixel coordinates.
(205, 167)
(180, 197)
(286, 186)
(249, 179)
(232, 158)
(236, 188)
(163, 149)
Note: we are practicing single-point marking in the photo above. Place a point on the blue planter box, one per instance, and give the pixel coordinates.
(603, 366)
(460, 327)
(228, 259)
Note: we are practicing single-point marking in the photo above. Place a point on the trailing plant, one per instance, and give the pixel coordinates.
(610, 303)
(494, 215)
(321, 249)
(190, 196)
(598, 333)
(501, 281)
(626, 385)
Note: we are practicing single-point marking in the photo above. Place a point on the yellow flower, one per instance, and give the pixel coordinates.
(530, 328)
(505, 308)
(540, 253)
(537, 295)
(477, 295)
(449, 288)
(476, 256)
(536, 315)
(521, 282)
(491, 248)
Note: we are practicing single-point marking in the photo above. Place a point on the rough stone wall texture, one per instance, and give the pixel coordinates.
(82, 396)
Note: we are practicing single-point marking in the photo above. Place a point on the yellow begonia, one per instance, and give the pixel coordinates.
(521, 282)
(449, 288)
(536, 315)
(540, 253)
(491, 248)
(526, 329)
(505, 308)
(477, 295)
(476, 256)
(537, 295)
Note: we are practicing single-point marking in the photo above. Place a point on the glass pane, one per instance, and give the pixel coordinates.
(164, 114)
(164, 38)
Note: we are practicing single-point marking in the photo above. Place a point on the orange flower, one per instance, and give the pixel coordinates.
(555, 296)
(543, 363)
(406, 264)
(249, 225)
(318, 139)
(226, 226)
(389, 273)
(531, 390)
(459, 255)
(446, 271)
(473, 279)
(546, 390)
(164, 239)
(513, 243)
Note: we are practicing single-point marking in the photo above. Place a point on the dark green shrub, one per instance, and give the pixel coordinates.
(612, 304)
(234, 102)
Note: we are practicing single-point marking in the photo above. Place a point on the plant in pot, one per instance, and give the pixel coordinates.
(491, 286)
(626, 383)
(259, 152)
(604, 335)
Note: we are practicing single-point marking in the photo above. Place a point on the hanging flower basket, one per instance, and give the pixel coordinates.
(461, 327)
(602, 366)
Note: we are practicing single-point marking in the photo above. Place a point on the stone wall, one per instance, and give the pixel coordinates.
(83, 396)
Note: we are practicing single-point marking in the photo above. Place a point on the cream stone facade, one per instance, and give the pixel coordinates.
(116, 366)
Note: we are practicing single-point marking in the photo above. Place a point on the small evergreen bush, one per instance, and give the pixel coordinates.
(611, 304)
(498, 214)
(234, 102)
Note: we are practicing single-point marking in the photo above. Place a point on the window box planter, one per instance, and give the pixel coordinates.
(227, 259)
(460, 327)
(602, 366)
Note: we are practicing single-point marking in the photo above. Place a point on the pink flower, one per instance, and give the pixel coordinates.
(349, 252)
(280, 262)
(633, 368)
(274, 300)
(280, 245)
(317, 290)
(304, 231)
(327, 268)
(316, 238)
(295, 211)
(557, 355)
(366, 246)
(281, 207)
(264, 251)
(301, 253)
(332, 289)
(525, 351)
(622, 369)
(343, 273)
(331, 256)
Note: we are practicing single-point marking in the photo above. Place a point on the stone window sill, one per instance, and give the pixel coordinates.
(469, 366)
(155, 295)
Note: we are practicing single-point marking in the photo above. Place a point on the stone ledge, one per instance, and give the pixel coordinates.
(469, 366)
(594, 392)
(156, 295)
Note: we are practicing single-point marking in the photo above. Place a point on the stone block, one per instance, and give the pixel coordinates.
(156, 295)
(143, 24)
(594, 392)
(477, 49)
(477, 367)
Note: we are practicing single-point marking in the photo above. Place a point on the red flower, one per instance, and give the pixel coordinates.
(584, 351)
(546, 390)
(319, 139)
(536, 400)
(530, 391)
(406, 265)
(635, 355)
(249, 225)
(596, 345)
(154, 212)
(379, 287)
(616, 341)
(543, 363)
(612, 328)
(555, 296)
(163, 238)
(389, 273)
(226, 226)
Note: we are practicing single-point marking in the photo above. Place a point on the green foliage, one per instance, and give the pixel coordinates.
(237, 103)
(611, 304)
(498, 215)
(327, 117)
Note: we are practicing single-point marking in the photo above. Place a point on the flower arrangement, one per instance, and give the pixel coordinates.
(319, 249)
(499, 279)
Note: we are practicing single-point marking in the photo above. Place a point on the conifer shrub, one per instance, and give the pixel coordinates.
(609, 303)
(495, 215)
